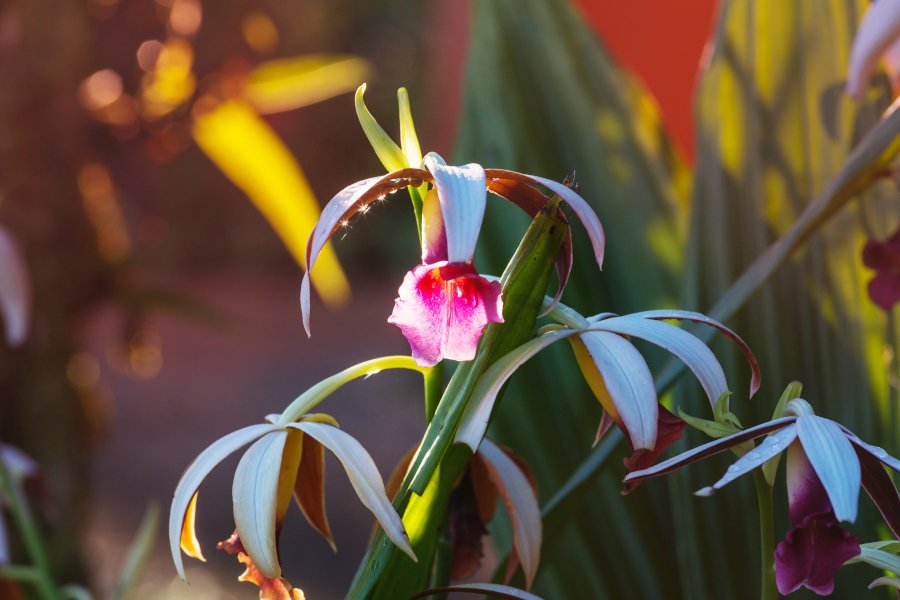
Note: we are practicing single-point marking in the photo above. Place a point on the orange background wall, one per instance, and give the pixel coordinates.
(661, 41)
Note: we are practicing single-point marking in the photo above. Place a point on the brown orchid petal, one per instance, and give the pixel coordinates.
(881, 489)
(349, 201)
(287, 476)
(532, 201)
(467, 530)
(521, 505)
(396, 478)
(309, 489)
(485, 491)
(606, 422)
(579, 206)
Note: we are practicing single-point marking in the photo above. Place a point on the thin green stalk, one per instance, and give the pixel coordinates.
(20, 573)
(443, 560)
(21, 514)
(434, 388)
(768, 589)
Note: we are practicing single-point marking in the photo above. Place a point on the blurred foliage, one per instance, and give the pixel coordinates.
(100, 181)
(774, 127)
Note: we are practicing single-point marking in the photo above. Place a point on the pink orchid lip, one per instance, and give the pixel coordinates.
(442, 310)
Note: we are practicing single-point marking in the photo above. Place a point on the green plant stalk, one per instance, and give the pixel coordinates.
(524, 284)
(768, 588)
(18, 508)
(434, 387)
(443, 559)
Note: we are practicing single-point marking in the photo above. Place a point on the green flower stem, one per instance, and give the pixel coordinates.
(768, 589)
(443, 560)
(524, 283)
(20, 573)
(21, 514)
(434, 387)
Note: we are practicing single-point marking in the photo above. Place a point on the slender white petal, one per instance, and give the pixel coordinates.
(876, 451)
(197, 472)
(478, 412)
(835, 462)
(629, 382)
(494, 590)
(15, 290)
(521, 504)
(880, 27)
(462, 192)
(771, 447)
(364, 477)
(709, 449)
(254, 495)
(695, 317)
(344, 205)
(692, 352)
(582, 209)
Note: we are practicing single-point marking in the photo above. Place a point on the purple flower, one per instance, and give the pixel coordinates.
(15, 290)
(826, 466)
(444, 304)
(884, 258)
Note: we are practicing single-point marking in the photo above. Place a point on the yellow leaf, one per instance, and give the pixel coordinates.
(290, 83)
(252, 156)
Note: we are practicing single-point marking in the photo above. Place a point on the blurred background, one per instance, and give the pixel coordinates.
(158, 162)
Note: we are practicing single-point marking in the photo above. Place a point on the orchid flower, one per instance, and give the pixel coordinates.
(826, 463)
(878, 37)
(285, 458)
(443, 304)
(15, 290)
(617, 373)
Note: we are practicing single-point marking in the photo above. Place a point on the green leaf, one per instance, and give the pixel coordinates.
(138, 554)
(387, 150)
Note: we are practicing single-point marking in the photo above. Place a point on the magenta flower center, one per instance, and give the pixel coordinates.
(443, 308)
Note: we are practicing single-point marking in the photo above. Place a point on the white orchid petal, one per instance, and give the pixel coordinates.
(254, 495)
(876, 451)
(196, 473)
(15, 290)
(695, 317)
(364, 477)
(879, 29)
(495, 590)
(690, 350)
(832, 456)
(521, 503)
(629, 382)
(462, 192)
(770, 447)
